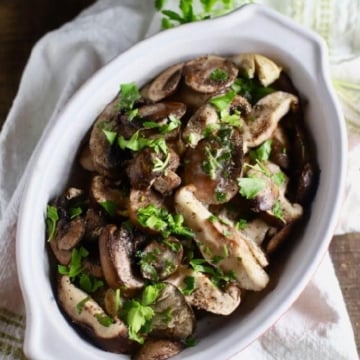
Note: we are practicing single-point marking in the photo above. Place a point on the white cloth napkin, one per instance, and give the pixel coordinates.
(317, 326)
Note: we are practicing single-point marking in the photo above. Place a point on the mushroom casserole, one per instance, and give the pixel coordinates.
(184, 191)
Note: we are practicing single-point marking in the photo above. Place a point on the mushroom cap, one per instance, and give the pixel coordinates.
(158, 349)
(224, 159)
(105, 156)
(112, 338)
(198, 73)
(181, 323)
(206, 295)
(265, 116)
(115, 248)
(164, 84)
(251, 64)
(194, 130)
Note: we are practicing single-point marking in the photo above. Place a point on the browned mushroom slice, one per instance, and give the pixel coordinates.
(164, 84)
(205, 117)
(141, 199)
(210, 74)
(106, 157)
(279, 148)
(148, 164)
(266, 197)
(250, 64)
(94, 223)
(116, 249)
(278, 239)
(62, 256)
(158, 349)
(162, 110)
(167, 182)
(213, 167)
(180, 322)
(105, 192)
(160, 259)
(87, 313)
(69, 234)
(221, 242)
(191, 98)
(85, 159)
(204, 294)
(265, 116)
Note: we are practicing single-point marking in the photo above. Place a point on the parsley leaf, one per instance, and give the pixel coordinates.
(189, 287)
(110, 135)
(251, 89)
(80, 305)
(278, 211)
(89, 283)
(161, 220)
(75, 267)
(250, 187)
(161, 165)
(109, 206)
(262, 152)
(75, 211)
(52, 218)
(172, 124)
(151, 293)
(278, 178)
(219, 75)
(129, 94)
(137, 143)
(103, 319)
(222, 102)
(241, 224)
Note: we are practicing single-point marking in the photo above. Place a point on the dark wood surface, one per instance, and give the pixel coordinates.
(23, 22)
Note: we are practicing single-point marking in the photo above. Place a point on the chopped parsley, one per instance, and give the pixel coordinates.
(220, 196)
(138, 142)
(251, 89)
(278, 211)
(161, 220)
(129, 94)
(75, 267)
(250, 187)
(80, 305)
(172, 124)
(75, 211)
(161, 165)
(104, 319)
(138, 314)
(219, 75)
(223, 102)
(109, 206)
(241, 224)
(278, 178)
(52, 218)
(90, 283)
(211, 164)
(189, 288)
(262, 152)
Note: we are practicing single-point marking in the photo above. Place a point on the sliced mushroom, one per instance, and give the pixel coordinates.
(191, 98)
(116, 249)
(200, 73)
(161, 259)
(86, 312)
(205, 117)
(106, 157)
(103, 190)
(257, 230)
(142, 169)
(180, 322)
(266, 198)
(158, 349)
(162, 110)
(265, 115)
(167, 182)
(140, 199)
(250, 64)
(278, 239)
(220, 241)
(164, 84)
(279, 148)
(69, 233)
(85, 159)
(94, 223)
(206, 295)
(213, 167)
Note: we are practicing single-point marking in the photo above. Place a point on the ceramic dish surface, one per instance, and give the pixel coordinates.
(250, 29)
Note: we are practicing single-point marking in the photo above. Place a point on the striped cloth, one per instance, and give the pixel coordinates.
(99, 34)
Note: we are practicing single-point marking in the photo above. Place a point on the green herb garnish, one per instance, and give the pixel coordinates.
(81, 304)
(129, 94)
(172, 124)
(103, 319)
(250, 187)
(219, 75)
(75, 267)
(241, 224)
(189, 287)
(109, 206)
(262, 152)
(52, 218)
(89, 283)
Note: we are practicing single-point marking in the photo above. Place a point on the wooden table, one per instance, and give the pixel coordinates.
(23, 22)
